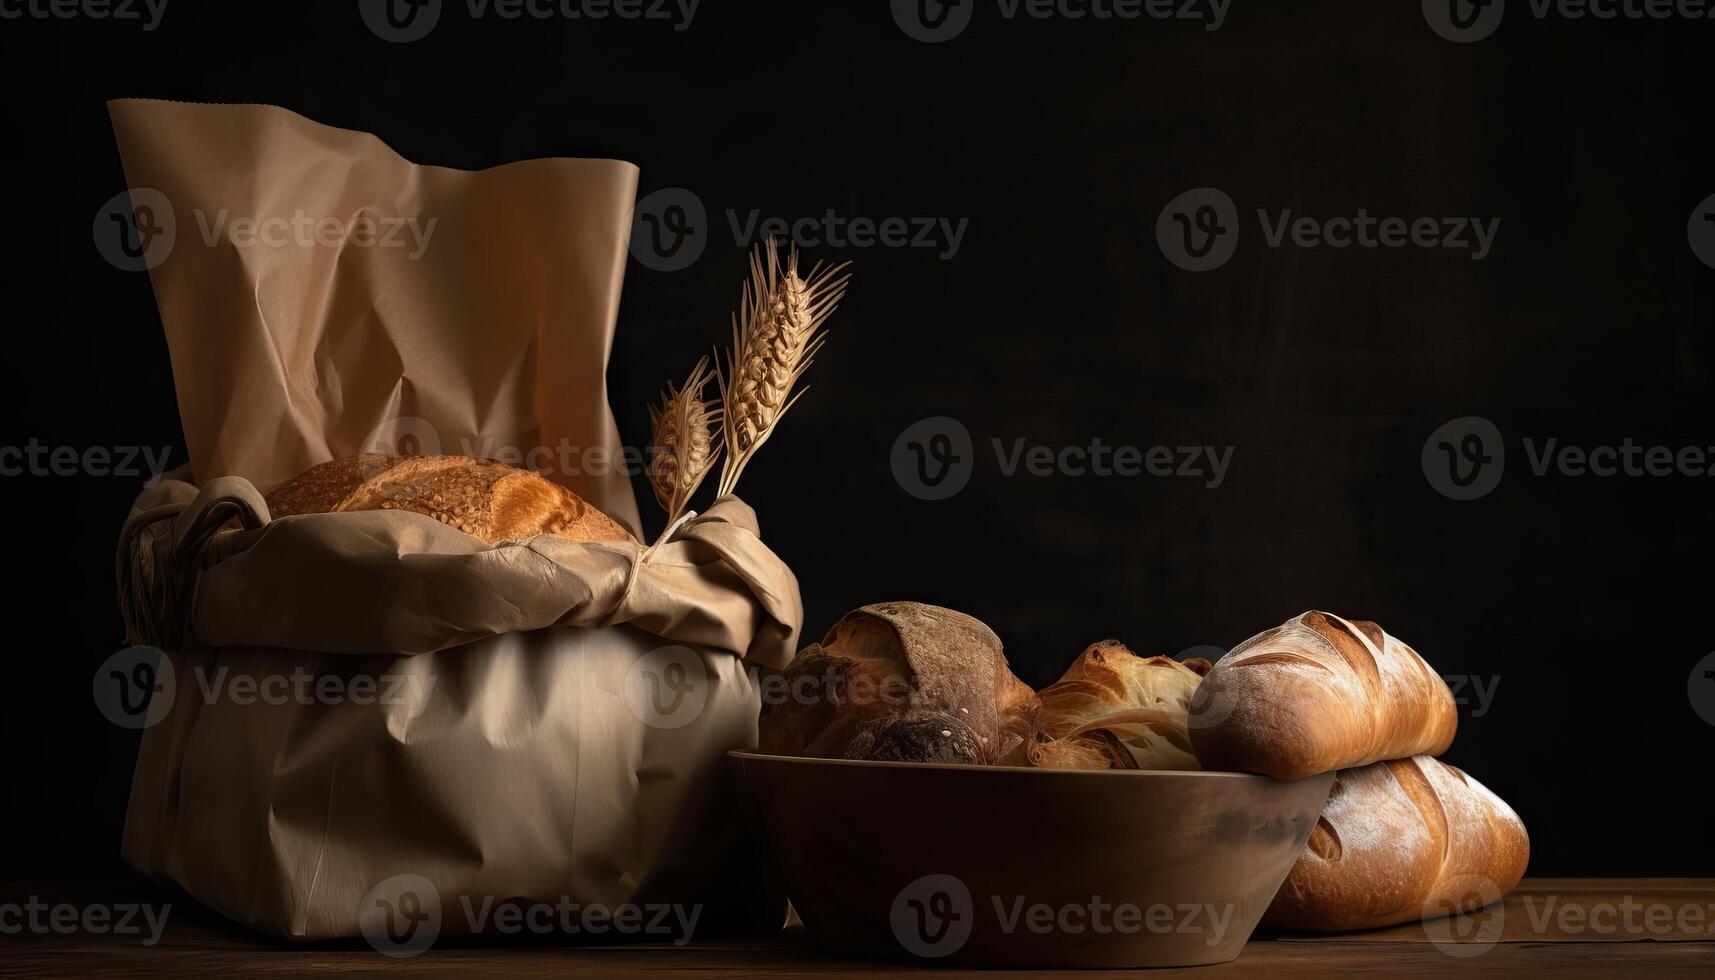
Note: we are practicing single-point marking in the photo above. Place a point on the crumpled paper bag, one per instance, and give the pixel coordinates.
(323, 296)
(362, 718)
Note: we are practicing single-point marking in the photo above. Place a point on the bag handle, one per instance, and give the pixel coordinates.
(155, 583)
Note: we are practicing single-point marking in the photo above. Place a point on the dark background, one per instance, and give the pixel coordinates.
(1585, 600)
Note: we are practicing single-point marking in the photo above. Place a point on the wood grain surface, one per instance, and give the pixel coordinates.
(1647, 932)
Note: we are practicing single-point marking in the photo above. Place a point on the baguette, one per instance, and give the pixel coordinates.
(1401, 841)
(1317, 694)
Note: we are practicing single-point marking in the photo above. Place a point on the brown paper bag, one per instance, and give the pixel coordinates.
(323, 296)
(372, 723)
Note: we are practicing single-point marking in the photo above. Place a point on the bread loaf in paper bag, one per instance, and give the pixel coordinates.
(368, 711)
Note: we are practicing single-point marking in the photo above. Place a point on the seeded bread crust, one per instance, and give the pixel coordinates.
(482, 497)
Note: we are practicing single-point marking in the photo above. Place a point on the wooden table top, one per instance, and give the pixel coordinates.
(1656, 927)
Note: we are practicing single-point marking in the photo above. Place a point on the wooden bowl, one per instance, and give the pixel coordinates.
(1003, 866)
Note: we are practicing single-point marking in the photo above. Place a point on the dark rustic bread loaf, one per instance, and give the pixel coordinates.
(905, 682)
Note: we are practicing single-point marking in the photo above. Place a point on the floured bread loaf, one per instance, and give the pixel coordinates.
(489, 499)
(1401, 841)
(1317, 694)
(1116, 710)
(905, 682)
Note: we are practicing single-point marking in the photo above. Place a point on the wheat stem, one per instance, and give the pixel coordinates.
(687, 439)
(775, 336)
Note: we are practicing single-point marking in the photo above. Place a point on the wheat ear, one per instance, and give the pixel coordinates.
(686, 433)
(775, 336)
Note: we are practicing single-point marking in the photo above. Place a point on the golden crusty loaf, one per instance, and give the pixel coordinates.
(1113, 709)
(1316, 694)
(905, 682)
(1401, 841)
(489, 499)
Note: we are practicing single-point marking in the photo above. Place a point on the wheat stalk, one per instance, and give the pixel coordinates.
(775, 336)
(686, 433)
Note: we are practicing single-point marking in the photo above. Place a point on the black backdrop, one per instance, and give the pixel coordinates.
(1578, 603)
